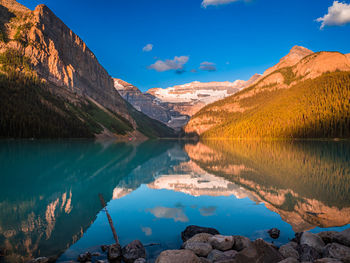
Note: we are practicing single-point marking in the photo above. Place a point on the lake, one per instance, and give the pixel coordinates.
(50, 206)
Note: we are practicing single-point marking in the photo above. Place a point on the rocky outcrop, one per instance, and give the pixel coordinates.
(151, 106)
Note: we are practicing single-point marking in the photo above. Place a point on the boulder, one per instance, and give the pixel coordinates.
(328, 236)
(274, 233)
(241, 242)
(343, 237)
(289, 260)
(114, 252)
(259, 252)
(222, 243)
(204, 260)
(192, 230)
(201, 249)
(308, 253)
(133, 251)
(327, 260)
(338, 251)
(288, 251)
(104, 248)
(177, 256)
(217, 255)
(312, 240)
(84, 257)
(201, 237)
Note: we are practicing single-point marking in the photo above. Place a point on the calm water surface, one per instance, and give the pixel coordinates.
(49, 203)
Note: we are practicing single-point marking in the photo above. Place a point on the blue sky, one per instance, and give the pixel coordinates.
(235, 39)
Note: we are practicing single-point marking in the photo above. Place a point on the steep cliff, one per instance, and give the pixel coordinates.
(150, 105)
(62, 64)
(307, 98)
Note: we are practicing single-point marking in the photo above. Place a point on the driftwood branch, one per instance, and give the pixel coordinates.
(104, 206)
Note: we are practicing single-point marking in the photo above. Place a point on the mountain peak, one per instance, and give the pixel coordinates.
(14, 6)
(299, 50)
(293, 57)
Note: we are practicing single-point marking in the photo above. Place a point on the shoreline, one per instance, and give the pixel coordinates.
(206, 245)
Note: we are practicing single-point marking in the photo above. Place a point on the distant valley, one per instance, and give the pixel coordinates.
(174, 106)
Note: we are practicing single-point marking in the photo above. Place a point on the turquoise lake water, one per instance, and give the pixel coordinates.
(49, 204)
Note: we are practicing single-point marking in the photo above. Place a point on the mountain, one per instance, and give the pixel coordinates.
(150, 105)
(189, 98)
(306, 95)
(54, 86)
(175, 105)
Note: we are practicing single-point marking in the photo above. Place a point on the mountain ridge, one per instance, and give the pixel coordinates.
(238, 116)
(63, 64)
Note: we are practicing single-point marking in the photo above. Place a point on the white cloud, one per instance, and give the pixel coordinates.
(147, 48)
(207, 66)
(170, 64)
(175, 213)
(338, 14)
(206, 3)
(147, 230)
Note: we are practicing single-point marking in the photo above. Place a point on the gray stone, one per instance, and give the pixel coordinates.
(308, 253)
(222, 243)
(289, 260)
(84, 257)
(288, 251)
(133, 251)
(140, 260)
(199, 248)
(114, 252)
(328, 236)
(204, 260)
(338, 251)
(327, 260)
(177, 256)
(241, 242)
(343, 237)
(274, 233)
(201, 237)
(216, 255)
(259, 252)
(312, 240)
(230, 253)
(192, 230)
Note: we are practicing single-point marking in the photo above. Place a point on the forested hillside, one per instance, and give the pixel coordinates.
(308, 100)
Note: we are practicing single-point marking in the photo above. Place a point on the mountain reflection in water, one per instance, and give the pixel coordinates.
(49, 189)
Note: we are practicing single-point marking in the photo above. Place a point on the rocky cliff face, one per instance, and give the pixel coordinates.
(146, 103)
(61, 59)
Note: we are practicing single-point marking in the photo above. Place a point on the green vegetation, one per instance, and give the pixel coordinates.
(150, 127)
(318, 108)
(113, 122)
(29, 110)
(297, 169)
(21, 33)
(3, 36)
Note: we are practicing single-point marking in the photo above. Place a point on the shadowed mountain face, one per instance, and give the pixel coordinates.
(307, 183)
(48, 198)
